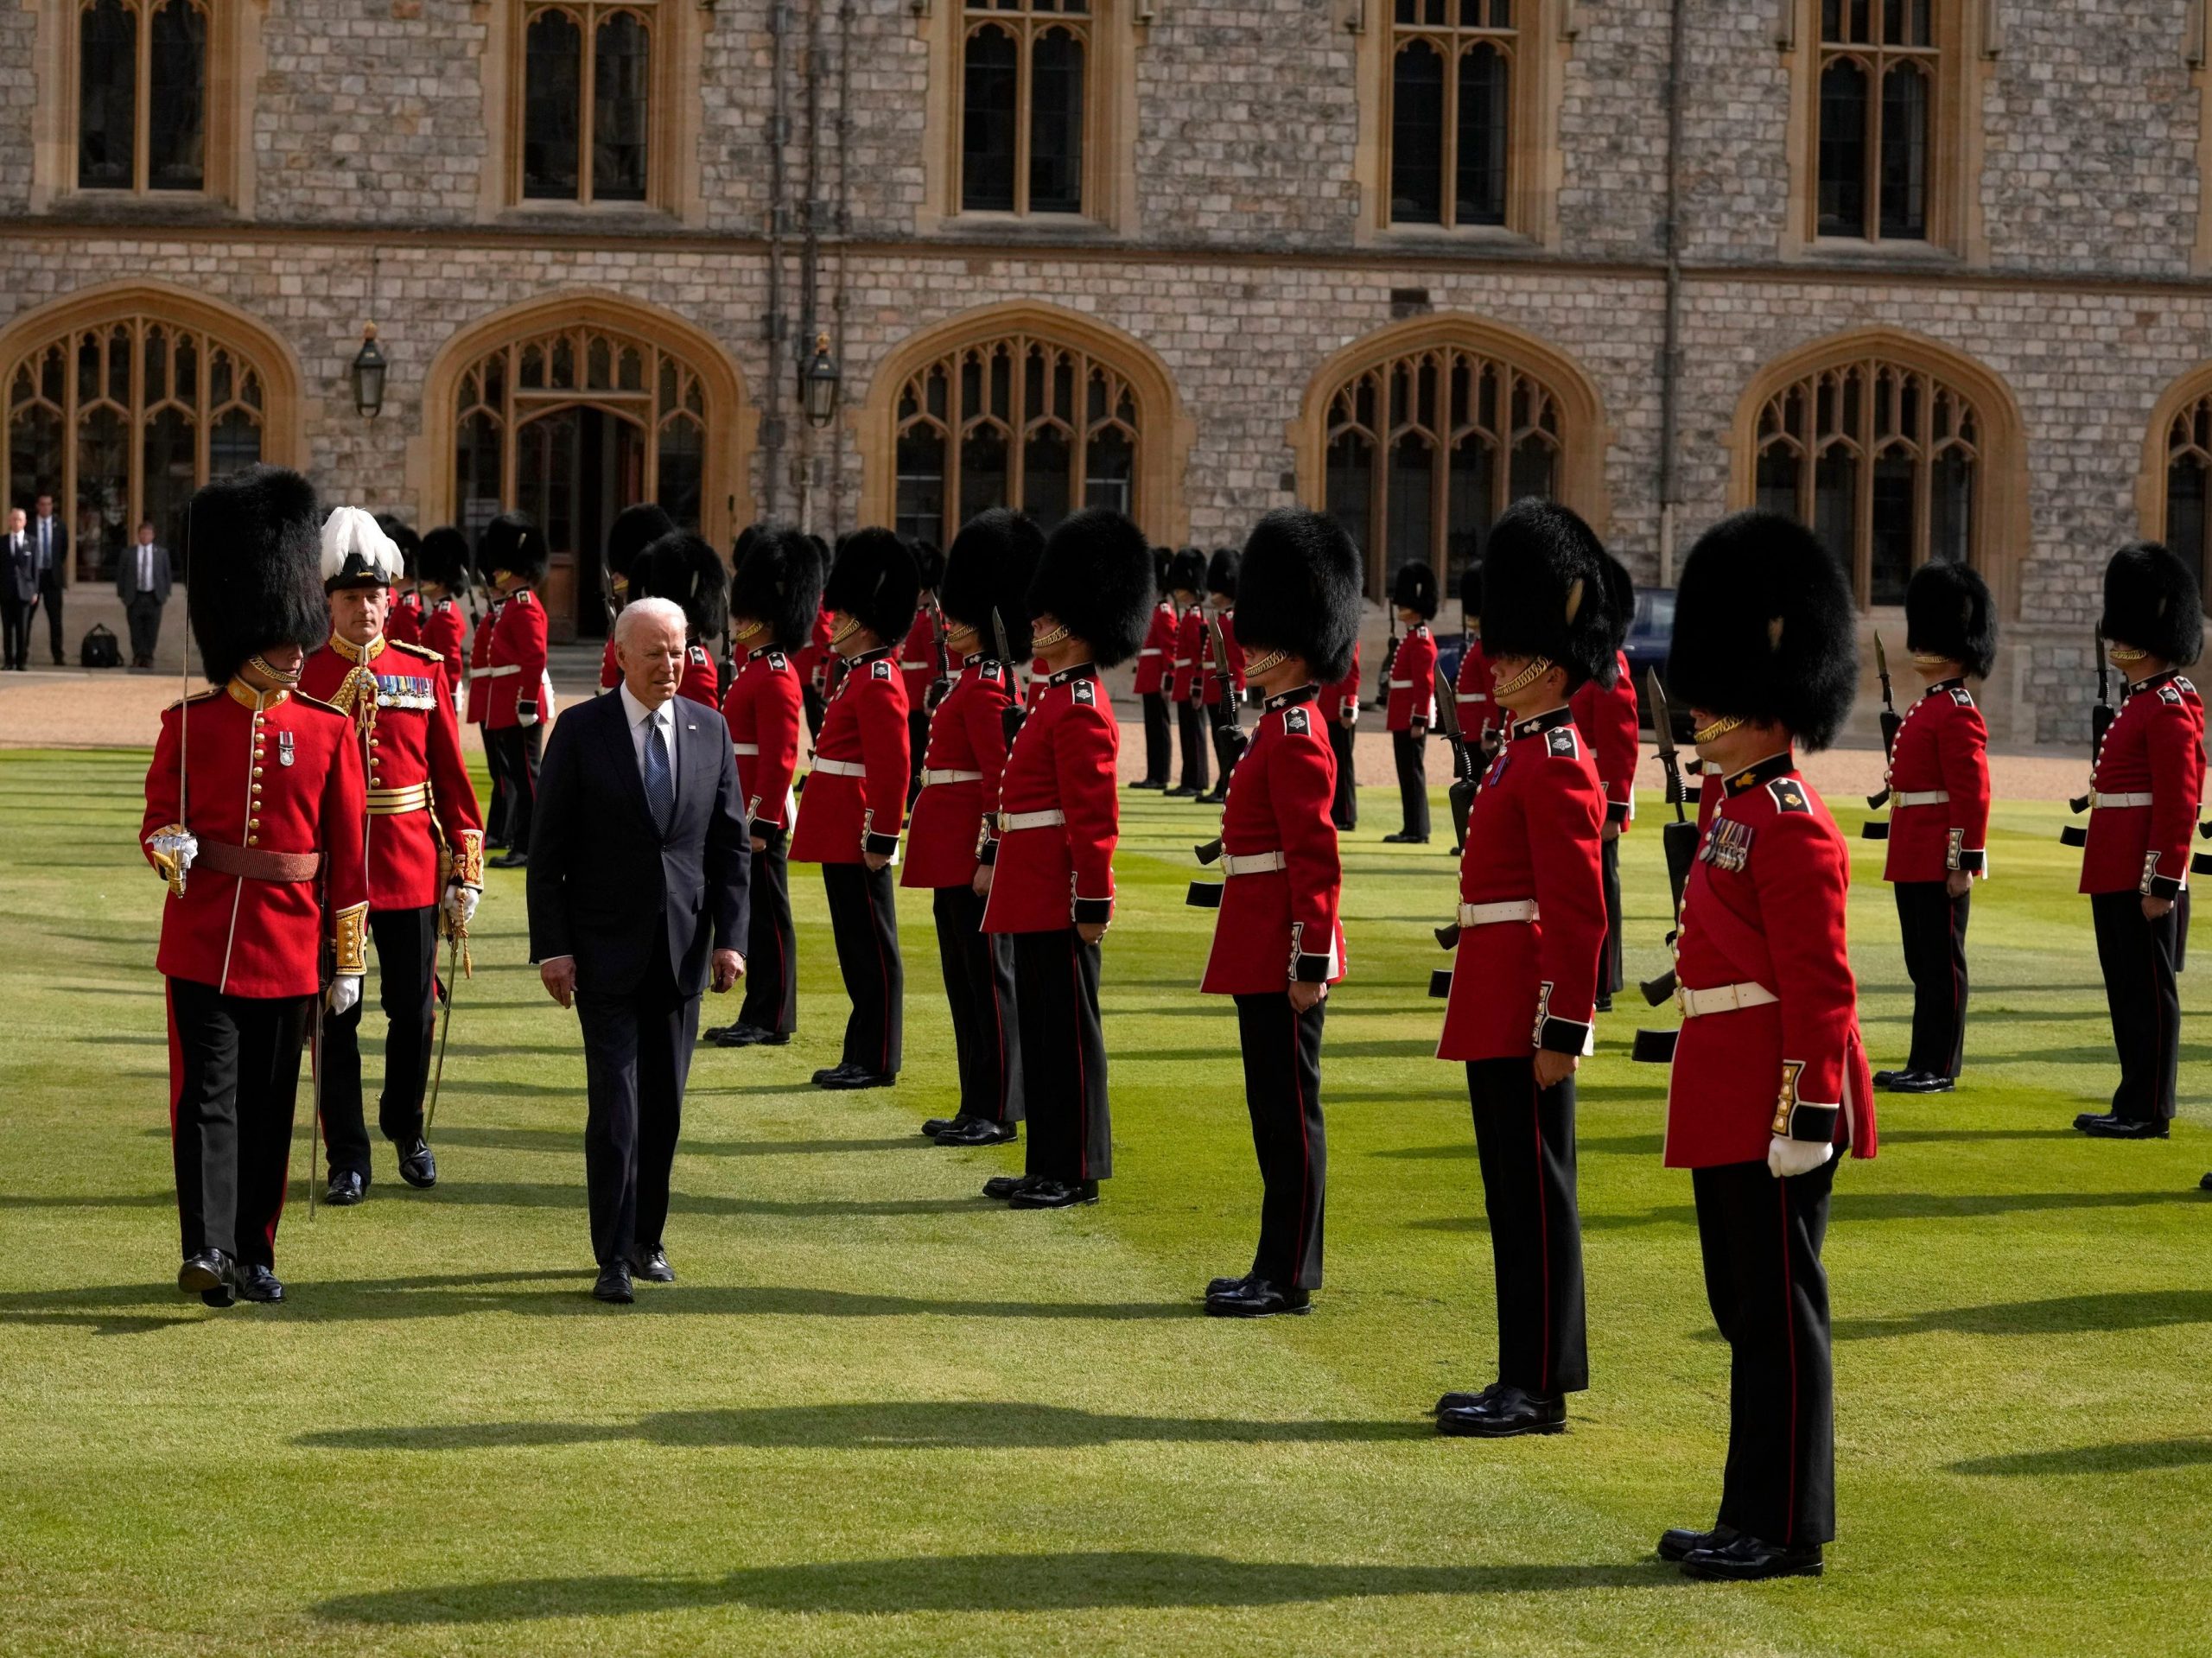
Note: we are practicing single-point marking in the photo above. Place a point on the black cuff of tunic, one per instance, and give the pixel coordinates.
(1311, 968)
(762, 829)
(1813, 1122)
(1563, 1036)
(528, 708)
(1089, 911)
(988, 853)
(1973, 862)
(1617, 811)
(2162, 886)
(881, 846)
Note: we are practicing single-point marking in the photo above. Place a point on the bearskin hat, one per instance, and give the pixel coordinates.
(635, 528)
(404, 539)
(1948, 612)
(1413, 587)
(1222, 572)
(1471, 594)
(1765, 628)
(444, 558)
(513, 543)
(777, 583)
(1620, 600)
(2153, 603)
(253, 543)
(1545, 592)
(929, 566)
(1187, 571)
(1095, 577)
(993, 561)
(356, 552)
(1163, 560)
(875, 583)
(686, 569)
(1301, 592)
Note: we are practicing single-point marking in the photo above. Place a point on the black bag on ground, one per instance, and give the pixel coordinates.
(99, 649)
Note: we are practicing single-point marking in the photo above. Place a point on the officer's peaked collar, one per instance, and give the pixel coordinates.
(1080, 670)
(1551, 719)
(2137, 687)
(1291, 699)
(1758, 771)
(353, 653)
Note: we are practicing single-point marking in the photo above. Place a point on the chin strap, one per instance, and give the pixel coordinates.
(1717, 729)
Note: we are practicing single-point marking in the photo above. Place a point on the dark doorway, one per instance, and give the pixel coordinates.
(577, 467)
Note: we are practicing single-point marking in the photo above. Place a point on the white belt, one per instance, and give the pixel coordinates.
(2125, 800)
(1153, 652)
(1468, 696)
(840, 768)
(500, 672)
(1008, 822)
(745, 749)
(1925, 798)
(917, 666)
(928, 776)
(1402, 684)
(1253, 863)
(1489, 915)
(1721, 999)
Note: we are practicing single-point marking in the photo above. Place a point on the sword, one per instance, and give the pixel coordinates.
(455, 934)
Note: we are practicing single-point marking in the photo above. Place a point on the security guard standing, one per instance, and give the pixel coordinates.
(1339, 709)
(1607, 717)
(443, 569)
(253, 813)
(1186, 573)
(477, 702)
(1155, 661)
(425, 848)
(1412, 708)
(515, 705)
(1770, 1074)
(1221, 724)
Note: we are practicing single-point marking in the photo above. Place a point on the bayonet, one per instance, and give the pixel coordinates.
(1891, 723)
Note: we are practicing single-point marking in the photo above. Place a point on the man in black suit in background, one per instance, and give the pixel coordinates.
(637, 865)
(18, 592)
(142, 581)
(50, 558)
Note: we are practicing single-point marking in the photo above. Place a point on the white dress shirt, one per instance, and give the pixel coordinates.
(641, 719)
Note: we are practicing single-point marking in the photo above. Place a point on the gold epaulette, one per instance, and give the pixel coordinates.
(422, 651)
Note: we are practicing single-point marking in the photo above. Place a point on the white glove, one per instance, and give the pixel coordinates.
(1786, 1156)
(461, 903)
(345, 993)
(179, 846)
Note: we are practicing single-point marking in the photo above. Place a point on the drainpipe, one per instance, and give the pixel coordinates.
(810, 251)
(775, 326)
(841, 227)
(1670, 354)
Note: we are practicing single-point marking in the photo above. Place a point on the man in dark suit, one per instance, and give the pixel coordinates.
(50, 558)
(18, 592)
(637, 865)
(142, 581)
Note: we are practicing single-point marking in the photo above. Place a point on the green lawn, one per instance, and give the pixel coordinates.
(880, 1415)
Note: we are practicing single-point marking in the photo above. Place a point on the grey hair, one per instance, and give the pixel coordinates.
(637, 610)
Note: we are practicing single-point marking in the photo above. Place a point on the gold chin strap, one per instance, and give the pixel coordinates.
(1267, 663)
(1537, 667)
(748, 630)
(260, 664)
(1928, 659)
(844, 630)
(1717, 729)
(1043, 641)
(2125, 653)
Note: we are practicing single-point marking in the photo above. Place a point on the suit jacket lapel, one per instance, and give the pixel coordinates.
(623, 757)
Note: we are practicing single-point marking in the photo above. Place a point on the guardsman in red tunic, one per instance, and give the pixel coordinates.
(1221, 599)
(253, 812)
(1531, 919)
(444, 572)
(1277, 943)
(1607, 717)
(1186, 672)
(1939, 814)
(1048, 872)
(635, 528)
(855, 800)
(1338, 707)
(478, 699)
(925, 663)
(2148, 783)
(1412, 708)
(518, 700)
(986, 574)
(775, 593)
(425, 850)
(1471, 687)
(814, 656)
(1769, 1076)
(1155, 668)
(685, 570)
(404, 625)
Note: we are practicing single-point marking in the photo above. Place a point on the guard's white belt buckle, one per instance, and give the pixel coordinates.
(1490, 915)
(1009, 821)
(1253, 863)
(840, 768)
(1721, 999)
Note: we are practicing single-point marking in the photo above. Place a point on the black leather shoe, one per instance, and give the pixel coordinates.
(742, 1035)
(849, 1077)
(416, 1167)
(205, 1273)
(1604, 1005)
(1256, 1298)
(1506, 1414)
(224, 1296)
(2205, 1185)
(999, 1187)
(1884, 1080)
(978, 1131)
(1680, 1542)
(1054, 1194)
(346, 1188)
(511, 859)
(1744, 1558)
(1921, 1082)
(1180, 794)
(652, 1267)
(259, 1284)
(1212, 797)
(932, 1126)
(2113, 1127)
(614, 1285)
(1403, 839)
(1220, 1286)
(1147, 783)
(1466, 1400)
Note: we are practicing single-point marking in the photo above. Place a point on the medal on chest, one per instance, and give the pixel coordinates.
(1727, 845)
(284, 748)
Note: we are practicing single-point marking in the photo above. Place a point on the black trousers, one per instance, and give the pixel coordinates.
(144, 614)
(1525, 1137)
(495, 809)
(50, 597)
(2137, 958)
(1934, 928)
(1761, 1239)
(1158, 755)
(917, 744)
(1191, 727)
(1345, 808)
(1062, 1056)
(864, 923)
(1610, 977)
(979, 986)
(636, 1059)
(519, 750)
(14, 632)
(1410, 750)
(1282, 1092)
(772, 945)
(234, 1077)
(407, 953)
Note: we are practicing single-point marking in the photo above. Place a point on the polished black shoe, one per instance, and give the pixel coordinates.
(613, 1285)
(1921, 1082)
(1466, 1400)
(1221, 1285)
(224, 1296)
(1678, 1543)
(1884, 1080)
(652, 1267)
(2113, 1127)
(1604, 1004)
(346, 1188)
(999, 1187)
(207, 1272)
(1744, 1558)
(416, 1167)
(1403, 839)
(932, 1126)
(1506, 1414)
(742, 1035)
(1054, 1194)
(849, 1076)
(1147, 783)
(1212, 797)
(976, 1131)
(1256, 1298)
(1180, 794)
(259, 1284)
(511, 859)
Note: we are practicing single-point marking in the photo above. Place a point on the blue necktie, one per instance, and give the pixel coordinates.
(660, 787)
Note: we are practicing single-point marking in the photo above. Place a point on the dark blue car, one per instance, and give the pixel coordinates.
(1649, 636)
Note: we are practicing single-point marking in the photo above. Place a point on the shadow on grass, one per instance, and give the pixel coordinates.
(974, 1582)
(2144, 1457)
(899, 1424)
(1852, 1207)
(2064, 1315)
(571, 1140)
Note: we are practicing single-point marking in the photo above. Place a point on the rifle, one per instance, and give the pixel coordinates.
(1012, 715)
(2100, 719)
(1891, 726)
(1382, 673)
(1225, 723)
(1679, 838)
(941, 686)
(1465, 772)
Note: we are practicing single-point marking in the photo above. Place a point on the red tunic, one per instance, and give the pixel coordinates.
(1189, 652)
(1210, 670)
(1532, 838)
(918, 657)
(2155, 747)
(765, 712)
(951, 814)
(445, 632)
(1412, 681)
(1157, 656)
(518, 666)
(845, 813)
(1943, 747)
(1342, 698)
(404, 625)
(812, 658)
(610, 670)
(700, 682)
(1055, 876)
(411, 740)
(480, 657)
(1278, 925)
(1607, 720)
(1764, 906)
(1471, 692)
(284, 777)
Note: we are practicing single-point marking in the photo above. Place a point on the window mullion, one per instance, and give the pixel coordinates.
(1862, 529)
(1448, 204)
(1024, 45)
(956, 422)
(587, 88)
(141, 116)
